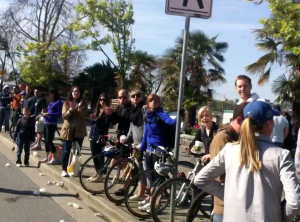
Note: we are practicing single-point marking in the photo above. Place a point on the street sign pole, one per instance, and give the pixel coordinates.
(179, 107)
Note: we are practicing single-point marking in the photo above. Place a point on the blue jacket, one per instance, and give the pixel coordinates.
(54, 112)
(5, 99)
(155, 129)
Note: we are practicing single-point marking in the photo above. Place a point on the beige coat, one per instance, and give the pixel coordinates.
(74, 122)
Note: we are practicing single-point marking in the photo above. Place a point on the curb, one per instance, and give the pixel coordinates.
(109, 211)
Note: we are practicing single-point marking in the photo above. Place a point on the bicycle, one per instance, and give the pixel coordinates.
(185, 193)
(102, 160)
(113, 178)
(133, 205)
(14, 120)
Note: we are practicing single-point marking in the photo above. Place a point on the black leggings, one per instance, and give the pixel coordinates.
(49, 133)
(150, 160)
(96, 148)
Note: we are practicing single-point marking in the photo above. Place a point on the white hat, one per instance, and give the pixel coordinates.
(6, 86)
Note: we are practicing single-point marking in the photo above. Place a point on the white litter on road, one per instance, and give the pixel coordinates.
(62, 221)
(70, 204)
(98, 215)
(43, 190)
(34, 153)
(60, 184)
(36, 193)
(51, 182)
(77, 206)
(41, 174)
(7, 165)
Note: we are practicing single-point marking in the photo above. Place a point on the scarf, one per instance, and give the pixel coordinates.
(136, 112)
(150, 114)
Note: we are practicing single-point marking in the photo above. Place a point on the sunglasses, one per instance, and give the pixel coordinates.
(102, 100)
(136, 96)
(122, 97)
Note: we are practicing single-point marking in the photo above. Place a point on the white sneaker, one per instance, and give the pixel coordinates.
(64, 174)
(144, 202)
(136, 198)
(145, 207)
(33, 144)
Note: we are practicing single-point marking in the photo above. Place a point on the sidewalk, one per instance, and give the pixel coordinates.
(109, 210)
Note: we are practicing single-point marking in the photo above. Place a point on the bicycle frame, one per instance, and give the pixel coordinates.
(191, 177)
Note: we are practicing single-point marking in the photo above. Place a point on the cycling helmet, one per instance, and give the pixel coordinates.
(161, 168)
(111, 151)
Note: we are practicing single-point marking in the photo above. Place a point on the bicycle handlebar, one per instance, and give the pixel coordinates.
(162, 148)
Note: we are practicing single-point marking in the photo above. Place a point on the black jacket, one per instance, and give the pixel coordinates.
(204, 138)
(36, 105)
(25, 129)
(5, 99)
(122, 116)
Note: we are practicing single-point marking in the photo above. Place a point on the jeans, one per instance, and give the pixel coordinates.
(217, 217)
(96, 148)
(23, 143)
(67, 149)
(4, 115)
(49, 132)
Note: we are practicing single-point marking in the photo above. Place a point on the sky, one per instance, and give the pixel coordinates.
(233, 22)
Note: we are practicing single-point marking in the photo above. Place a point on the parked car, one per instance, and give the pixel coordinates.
(173, 115)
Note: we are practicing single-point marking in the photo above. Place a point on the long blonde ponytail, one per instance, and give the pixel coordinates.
(249, 154)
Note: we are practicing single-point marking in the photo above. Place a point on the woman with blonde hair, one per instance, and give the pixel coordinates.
(257, 172)
(206, 132)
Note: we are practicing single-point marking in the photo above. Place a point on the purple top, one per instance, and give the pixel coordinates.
(54, 112)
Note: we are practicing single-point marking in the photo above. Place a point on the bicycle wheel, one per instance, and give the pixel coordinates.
(133, 205)
(201, 207)
(12, 130)
(88, 170)
(160, 204)
(118, 177)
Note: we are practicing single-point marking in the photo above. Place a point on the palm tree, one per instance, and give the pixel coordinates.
(142, 66)
(275, 54)
(96, 79)
(204, 70)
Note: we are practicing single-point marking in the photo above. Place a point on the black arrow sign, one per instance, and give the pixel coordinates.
(200, 3)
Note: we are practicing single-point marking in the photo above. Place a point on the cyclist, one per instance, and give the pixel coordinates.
(206, 132)
(257, 172)
(136, 133)
(99, 126)
(155, 133)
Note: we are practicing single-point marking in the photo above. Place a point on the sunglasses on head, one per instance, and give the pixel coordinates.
(102, 99)
(122, 97)
(136, 96)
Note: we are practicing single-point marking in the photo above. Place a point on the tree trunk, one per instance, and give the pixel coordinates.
(190, 116)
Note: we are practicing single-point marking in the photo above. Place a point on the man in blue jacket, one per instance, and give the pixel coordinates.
(5, 100)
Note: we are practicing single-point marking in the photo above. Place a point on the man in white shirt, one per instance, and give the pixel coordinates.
(281, 128)
(243, 86)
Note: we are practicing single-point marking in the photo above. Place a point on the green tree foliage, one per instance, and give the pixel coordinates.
(47, 39)
(144, 72)
(279, 39)
(97, 79)
(108, 22)
(204, 70)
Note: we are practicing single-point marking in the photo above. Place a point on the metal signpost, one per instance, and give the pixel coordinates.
(187, 8)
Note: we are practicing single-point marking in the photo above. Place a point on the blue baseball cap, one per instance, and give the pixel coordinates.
(260, 111)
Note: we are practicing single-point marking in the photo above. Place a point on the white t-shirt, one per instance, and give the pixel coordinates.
(253, 97)
(280, 123)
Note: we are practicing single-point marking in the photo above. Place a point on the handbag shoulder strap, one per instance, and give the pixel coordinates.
(76, 149)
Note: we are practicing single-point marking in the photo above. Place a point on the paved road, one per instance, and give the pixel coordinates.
(17, 202)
